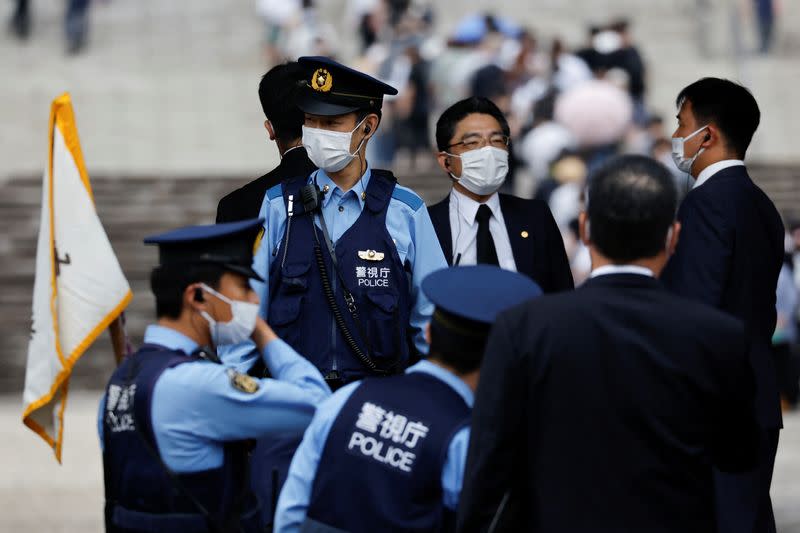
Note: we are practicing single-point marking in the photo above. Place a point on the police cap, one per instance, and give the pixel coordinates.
(229, 245)
(467, 300)
(333, 89)
(478, 292)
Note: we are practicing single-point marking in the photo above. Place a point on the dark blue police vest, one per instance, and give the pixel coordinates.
(299, 311)
(381, 469)
(140, 494)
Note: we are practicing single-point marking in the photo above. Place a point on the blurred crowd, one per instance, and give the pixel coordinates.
(785, 340)
(569, 107)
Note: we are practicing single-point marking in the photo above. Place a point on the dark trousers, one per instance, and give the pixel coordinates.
(743, 504)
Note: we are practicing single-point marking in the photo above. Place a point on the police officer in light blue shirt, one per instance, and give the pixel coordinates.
(343, 252)
(345, 249)
(388, 454)
(173, 422)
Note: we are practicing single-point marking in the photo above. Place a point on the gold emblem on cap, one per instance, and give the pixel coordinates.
(524, 234)
(370, 255)
(322, 80)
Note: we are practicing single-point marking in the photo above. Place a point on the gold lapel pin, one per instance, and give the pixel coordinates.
(363, 196)
(524, 234)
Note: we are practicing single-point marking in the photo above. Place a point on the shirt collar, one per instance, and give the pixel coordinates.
(455, 383)
(294, 151)
(334, 191)
(621, 269)
(713, 168)
(468, 208)
(169, 338)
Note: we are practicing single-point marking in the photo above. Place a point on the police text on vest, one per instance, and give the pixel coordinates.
(386, 436)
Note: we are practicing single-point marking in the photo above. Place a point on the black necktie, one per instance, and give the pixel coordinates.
(486, 250)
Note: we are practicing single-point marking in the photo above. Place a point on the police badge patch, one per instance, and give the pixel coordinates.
(243, 382)
(257, 242)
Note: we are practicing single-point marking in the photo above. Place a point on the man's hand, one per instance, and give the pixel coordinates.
(262, 334)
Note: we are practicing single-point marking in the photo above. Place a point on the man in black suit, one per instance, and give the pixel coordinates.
(284, 125)
(604, 408)
(729, 257)
(476, 224)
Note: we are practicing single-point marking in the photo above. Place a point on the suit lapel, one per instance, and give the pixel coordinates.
(520, 236)
(440, 217)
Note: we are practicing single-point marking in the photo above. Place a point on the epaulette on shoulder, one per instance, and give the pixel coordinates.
(276, 191)
(408, 197)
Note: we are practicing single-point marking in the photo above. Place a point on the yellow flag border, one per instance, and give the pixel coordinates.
(63, 117)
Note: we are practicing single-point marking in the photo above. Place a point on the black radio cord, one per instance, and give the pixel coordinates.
(337, 313)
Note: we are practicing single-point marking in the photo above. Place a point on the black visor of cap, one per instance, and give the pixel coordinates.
(307, 103)
(229, 245)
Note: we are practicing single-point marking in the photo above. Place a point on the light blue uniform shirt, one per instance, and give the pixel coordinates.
(195, 408)
(408, 223)
(296, 493)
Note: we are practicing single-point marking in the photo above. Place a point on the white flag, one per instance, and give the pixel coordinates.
(79, 288)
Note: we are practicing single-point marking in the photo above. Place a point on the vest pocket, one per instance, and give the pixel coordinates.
(286, 309)
(294, 277)
(287, 303)
(383, 326)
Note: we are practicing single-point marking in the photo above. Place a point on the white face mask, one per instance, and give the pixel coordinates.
(330, 150)
(240, 326)
(684, 163)
(483, 171)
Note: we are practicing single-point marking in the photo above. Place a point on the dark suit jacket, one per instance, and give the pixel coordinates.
(540, 255)
(729, 256)
(604, 408)
(245, 202)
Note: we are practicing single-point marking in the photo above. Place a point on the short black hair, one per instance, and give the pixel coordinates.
(446, 125)
(169, 281)
(277, 91)
(728, 105)
(361, 114)
(631, 205)
(457, 342)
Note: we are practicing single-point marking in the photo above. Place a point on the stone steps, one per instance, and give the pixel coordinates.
(130, 208)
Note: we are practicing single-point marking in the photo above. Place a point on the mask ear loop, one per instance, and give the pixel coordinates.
(687, 188)
(457, 178)
(362, 162)
(456, 257)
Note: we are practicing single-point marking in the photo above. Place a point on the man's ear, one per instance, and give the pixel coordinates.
(370, 125)
(583, 228)
(711, 136)
(194, 298)
(444, 162)
(428, 333)
(270, 129)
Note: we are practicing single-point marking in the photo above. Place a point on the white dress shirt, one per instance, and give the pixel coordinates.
(464, 230)
(713, 168)
(621, 269)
